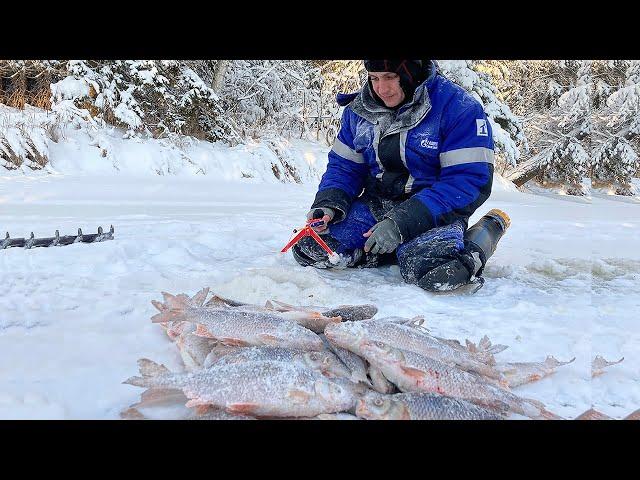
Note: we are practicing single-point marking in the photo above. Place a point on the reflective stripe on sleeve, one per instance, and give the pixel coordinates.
(466, 155)
(346, 152)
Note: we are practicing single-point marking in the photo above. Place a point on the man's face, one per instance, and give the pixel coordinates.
(387, 87)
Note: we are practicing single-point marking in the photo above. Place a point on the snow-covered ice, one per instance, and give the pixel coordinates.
(74, 320)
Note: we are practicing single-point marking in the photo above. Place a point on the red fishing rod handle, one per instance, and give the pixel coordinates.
(315, 222)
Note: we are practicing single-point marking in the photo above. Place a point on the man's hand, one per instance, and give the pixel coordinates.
(384, 237)
(325, 214)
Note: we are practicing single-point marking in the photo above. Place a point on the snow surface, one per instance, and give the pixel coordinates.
(75, 319)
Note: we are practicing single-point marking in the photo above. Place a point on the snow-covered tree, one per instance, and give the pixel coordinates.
(268, 96)
(145, 97)
(616, 125)
(554, 100)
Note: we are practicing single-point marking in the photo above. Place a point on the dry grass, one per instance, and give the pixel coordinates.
(25, 83)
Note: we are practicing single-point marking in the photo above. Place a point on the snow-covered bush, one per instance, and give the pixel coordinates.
(146, 97)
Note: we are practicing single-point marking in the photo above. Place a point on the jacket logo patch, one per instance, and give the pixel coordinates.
(426, 143)
(481, 126)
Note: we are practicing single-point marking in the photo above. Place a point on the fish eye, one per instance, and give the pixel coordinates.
(313, 356)
(378, 402)
(380, 344)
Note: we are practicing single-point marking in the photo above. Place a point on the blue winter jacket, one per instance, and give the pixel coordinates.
(445, 143)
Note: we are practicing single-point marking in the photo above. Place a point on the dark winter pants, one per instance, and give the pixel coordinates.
(415, 257)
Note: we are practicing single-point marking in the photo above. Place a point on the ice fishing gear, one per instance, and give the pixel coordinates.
(308, 230)
(463, 273)
(57, 240)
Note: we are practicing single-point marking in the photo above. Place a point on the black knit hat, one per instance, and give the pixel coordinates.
(411, 72)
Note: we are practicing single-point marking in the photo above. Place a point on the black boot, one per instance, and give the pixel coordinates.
(480, 242)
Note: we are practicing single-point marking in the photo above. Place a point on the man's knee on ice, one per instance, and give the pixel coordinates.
(437, 260)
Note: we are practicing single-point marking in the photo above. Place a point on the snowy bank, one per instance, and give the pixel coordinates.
(79, 147)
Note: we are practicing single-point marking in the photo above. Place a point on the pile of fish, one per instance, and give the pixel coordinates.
(245, 361)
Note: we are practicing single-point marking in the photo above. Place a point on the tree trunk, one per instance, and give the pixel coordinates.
(529, 169)
(526, 170)
(218, 75)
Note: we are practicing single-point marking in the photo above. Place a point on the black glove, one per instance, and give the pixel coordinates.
(321, 212)
(325, 213)
(385, 237)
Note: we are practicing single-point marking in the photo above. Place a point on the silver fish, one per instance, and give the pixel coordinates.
(311, 319)
(413, 372)
(420, 406)
(232, 326)
(324, 361)
(349, 336)
(356, 365)
(262, 389)
(519, 373)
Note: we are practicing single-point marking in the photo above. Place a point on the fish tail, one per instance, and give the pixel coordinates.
(497, 348)
(283, 307)
(138, 382)
(165, 317)
(553, 362)
(538, 411)
(199, 298)
(633, 415)
(149, 370)
(547, 415)
(132, 413)
(177, 302)
(173, 309)
(592, 414)
(159, 396)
